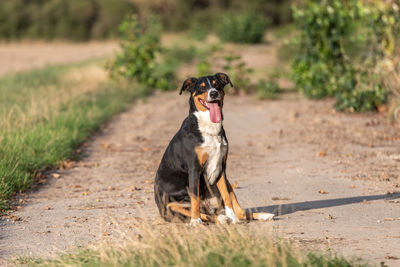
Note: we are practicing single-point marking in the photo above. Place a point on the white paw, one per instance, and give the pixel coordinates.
(223, 219)
(265, 216)
(195, 222)
(231, 215)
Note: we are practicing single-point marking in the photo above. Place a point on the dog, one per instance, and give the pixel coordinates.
(192, 172)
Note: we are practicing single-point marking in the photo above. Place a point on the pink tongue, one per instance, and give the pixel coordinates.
(215, 112)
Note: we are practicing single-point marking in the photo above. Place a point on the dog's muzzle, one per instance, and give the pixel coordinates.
(213, 95)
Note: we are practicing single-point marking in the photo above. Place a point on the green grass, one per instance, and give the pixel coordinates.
(181, 245)
(45, 114)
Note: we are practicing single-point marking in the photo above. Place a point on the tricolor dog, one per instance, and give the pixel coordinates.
(192, 171)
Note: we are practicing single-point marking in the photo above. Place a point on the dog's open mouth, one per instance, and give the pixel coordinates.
(215, 109)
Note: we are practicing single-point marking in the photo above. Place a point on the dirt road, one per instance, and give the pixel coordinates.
(16, 57)
(327, 175)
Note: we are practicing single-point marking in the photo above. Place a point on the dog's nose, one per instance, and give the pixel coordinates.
(213, 94)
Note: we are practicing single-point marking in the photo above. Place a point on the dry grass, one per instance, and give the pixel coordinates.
(182, 245)
(45, 114)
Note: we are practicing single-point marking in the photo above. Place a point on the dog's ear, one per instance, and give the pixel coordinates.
(188, 85)
(223, 78)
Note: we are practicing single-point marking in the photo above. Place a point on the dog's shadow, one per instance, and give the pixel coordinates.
(283, 209)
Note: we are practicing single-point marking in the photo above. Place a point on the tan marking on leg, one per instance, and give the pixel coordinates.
(195, 207)
(223, 189)
(202, 156)
(177, 207)
(239, 211)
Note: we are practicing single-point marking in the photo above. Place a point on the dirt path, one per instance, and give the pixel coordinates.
(24, 56)
(327, 174)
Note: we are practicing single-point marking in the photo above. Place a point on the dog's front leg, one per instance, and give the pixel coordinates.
(194, 193)
(241, 213)
(222, 185)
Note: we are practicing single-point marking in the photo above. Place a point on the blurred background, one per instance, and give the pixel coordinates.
(99, 19)
(327, 48)
(99, 55)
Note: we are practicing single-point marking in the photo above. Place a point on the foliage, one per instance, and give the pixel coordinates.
(45, 116)
(184, 246)
(198, 31)
(238, 72)
(269, 89)
(66, 19)
(248, 27)
(140, 47)
(340, 50)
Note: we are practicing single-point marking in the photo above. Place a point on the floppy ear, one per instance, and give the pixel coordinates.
(223, 78)
(188, 85)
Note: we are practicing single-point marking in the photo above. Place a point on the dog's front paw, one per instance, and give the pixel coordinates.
(195, 222)
(231, 215)
(265, 216)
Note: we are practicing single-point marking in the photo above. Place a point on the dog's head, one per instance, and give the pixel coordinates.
(207, 94)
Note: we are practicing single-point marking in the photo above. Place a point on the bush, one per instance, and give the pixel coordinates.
(341, 48)
(269, 89)
(247, 27)
(66, 19)
(140, 47)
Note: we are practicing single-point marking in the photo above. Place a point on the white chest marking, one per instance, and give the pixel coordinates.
(214, 145)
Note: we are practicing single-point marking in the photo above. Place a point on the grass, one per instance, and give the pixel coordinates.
(177, 245)
(45, 114)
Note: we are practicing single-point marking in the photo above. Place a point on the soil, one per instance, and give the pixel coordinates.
(332, 178)
(17, 57)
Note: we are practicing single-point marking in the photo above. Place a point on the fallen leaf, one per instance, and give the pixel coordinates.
(55, 175)
(382, 109)
(330, 217)
(106, 146)
(16, 218)
(388, 219)
(47, 208)
(76, 186)
(321, 191)
(321, 154)
(110, 188)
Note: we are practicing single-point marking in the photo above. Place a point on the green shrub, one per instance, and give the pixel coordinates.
(238, 72)
(248, 27)
(66, 19)
(341, 47)
(269, 89)
(140, 47)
